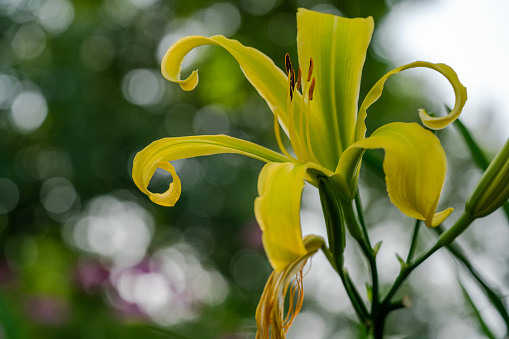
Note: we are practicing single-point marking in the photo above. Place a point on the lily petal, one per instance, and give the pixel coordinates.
(277, 210)
(414, 166)
(259, 69)
(157, 154)
(431, 122)
(338, 47)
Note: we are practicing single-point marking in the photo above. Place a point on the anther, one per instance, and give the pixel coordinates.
(311, 89)
(299, 79)
(288, 63)
(310, 72)
(292, 83)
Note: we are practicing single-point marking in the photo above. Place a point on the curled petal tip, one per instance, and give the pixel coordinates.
(172, 195)
(190, 83)
(435, 123)
(437, 218)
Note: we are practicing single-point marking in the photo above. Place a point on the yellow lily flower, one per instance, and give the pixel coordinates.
(317, 108)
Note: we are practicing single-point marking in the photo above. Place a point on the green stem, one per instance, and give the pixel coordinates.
(351, 291)
(404, 273)
(445, 239)
(370, 255)
(355, 297)
(452, 233)
(358, 207)
(413, 244)
(362, 239)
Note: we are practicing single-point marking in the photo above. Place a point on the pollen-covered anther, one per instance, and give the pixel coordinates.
(292, 83)
(299, 79)
(288, 63)
(311, 89)
(310, 71)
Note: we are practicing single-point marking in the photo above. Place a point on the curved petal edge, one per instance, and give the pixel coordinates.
(414, 167)
(374, 94)
(160, 152)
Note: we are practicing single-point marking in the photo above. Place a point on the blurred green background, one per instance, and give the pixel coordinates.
(84, 254)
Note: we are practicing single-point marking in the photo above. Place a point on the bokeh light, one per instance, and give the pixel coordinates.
(56, 15)
(10, 195)
(116, 230)
(143, 87)
(28, 111)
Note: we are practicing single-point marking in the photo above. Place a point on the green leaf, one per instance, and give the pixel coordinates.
(377, 248)
(369, 291)
(492, 293)
(477, 154)
(402, 262)
(485, 329)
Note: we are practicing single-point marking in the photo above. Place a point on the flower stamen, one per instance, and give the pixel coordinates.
(277, 132)
(299, 79)
(310, 71)
(292, 84)
(288, 63)
(311, 89)
(307, 107)
(296, 298)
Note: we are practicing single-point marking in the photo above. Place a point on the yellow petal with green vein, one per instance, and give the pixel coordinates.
(431, 122)
(259, 69)
(157, 154)
(338, 47)
(414, 166)
(277, 211)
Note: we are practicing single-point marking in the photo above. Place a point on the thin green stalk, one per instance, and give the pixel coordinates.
(404, 273)
(452, 233)
(445, 239)
(360, 214)
(351, 291)
(365, 246)
(354, 296)
(413, 244)
(369, 255)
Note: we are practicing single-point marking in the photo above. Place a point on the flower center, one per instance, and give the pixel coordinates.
(301, 140)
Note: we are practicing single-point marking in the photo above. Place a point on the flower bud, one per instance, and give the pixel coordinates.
(492, 191)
